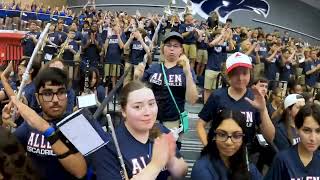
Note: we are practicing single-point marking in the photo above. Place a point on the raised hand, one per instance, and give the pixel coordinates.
(30, 116)
(259, 101)
(184, 62)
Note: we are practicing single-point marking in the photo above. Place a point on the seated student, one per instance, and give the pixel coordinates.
(58, 63)
(48, 153)
(11, 151)
(92, 86)
(262, 85)
(286, 132)
(224, 157)
(275, 106)
(147, 153)
(301, 161)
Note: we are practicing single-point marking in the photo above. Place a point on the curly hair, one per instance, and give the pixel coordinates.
(14, 164)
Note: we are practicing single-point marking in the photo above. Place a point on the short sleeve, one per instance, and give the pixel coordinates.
(209, 109)
(22, 133)
(147, 73)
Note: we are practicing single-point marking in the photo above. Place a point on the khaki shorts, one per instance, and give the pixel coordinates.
(202, 56)
(129, 76)
(210, 79)
(190, 50)
(172, 125)
(112, 70)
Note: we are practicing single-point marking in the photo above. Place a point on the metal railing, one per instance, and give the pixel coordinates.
(285, 28)
(130, 5)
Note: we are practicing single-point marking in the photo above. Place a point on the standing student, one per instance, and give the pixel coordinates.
(301, 161)
(148, 151)
(113, 47)
(286, 132)
(224, 157)
(190, 35)
(49, 154)
(31, 39)
(181, 80)
(238, 97)
(138, 49)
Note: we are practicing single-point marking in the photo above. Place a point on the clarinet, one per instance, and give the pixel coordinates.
(86, 89)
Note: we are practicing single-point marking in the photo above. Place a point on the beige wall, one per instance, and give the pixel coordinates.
(46, 3)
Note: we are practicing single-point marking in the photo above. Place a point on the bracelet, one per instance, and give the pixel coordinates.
(48, 132)
(66, 154)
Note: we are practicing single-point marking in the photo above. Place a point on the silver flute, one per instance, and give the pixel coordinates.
(116, 144)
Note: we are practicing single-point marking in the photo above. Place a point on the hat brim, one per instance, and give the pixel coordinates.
(239, 65)
(178, 38)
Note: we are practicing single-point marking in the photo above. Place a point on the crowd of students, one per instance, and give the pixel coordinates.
(260, 93)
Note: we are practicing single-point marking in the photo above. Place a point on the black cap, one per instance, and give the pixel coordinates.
(173, 35)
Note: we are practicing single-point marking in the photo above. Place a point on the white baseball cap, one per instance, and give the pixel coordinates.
(292, 99)
(238, 59)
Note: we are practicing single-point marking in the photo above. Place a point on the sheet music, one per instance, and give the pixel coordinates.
(87, 100)
(82, 135)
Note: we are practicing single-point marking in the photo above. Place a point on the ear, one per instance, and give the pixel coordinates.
(123, 113)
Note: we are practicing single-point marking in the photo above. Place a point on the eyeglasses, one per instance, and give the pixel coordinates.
(173, 45)
(222, 136)
(47, 96)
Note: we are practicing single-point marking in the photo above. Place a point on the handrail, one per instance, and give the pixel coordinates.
(107, 99)
(288, 29)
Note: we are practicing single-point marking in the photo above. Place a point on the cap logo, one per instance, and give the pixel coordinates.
(238, 55)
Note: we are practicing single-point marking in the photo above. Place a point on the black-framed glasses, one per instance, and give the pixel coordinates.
(223, 136)
(47, 96)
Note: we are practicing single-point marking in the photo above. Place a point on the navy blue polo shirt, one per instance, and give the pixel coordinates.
(136, 156)
(114, 51)
(207, 169)
(167, 110)
(220, 99)
(288, 165)
(311, 79)
(216, 57)
(28, 44)
(191, 38)
(137, 52)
